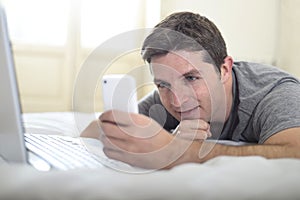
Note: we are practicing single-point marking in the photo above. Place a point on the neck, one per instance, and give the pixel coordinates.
(229, 96)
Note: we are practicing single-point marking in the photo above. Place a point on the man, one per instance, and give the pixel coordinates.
(206, 96)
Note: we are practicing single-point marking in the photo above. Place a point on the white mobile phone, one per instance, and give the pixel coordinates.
(119, 92)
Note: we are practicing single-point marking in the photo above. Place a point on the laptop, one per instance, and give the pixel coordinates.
(44, 152)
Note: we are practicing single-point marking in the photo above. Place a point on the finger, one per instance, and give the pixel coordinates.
(209, 133)
(128, 133)
(125, 119)
(184, 130)
(114, 143)
(194, 124)
(114, 131)
(93, 130)
(119, 145)
(117, 117)
(132, 125)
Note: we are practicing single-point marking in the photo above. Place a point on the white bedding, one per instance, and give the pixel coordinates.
(220, 178)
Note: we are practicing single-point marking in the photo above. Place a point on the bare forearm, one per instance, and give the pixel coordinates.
(268, 151)
(200, 152)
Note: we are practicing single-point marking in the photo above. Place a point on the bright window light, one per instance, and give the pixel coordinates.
(47, 22)
(38, 21)
(101, 21)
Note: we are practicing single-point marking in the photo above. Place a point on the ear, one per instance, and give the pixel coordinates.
(226, 69)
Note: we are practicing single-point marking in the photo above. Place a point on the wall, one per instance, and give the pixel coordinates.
(255, 30)
(289, 41)
(47, 74)
(249, 27)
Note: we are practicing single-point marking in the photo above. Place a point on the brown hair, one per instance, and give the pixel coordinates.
(186, 31)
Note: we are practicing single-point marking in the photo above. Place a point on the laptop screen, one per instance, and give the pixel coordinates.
(12, 147)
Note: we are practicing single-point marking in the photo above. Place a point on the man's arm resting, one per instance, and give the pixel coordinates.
(284, 144)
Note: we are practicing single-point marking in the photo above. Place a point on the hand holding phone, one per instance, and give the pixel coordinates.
(119, 92)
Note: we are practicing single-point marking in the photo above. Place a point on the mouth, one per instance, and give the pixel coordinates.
(188, 110)
(191, 113)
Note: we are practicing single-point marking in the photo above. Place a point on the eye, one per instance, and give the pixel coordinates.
(191, 78)
(163, 85)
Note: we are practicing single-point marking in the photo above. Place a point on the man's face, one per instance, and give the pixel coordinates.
(187, 85)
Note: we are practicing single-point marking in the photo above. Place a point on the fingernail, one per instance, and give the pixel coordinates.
(209, 134)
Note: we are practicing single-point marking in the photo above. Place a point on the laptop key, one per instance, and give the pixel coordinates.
(61, 152)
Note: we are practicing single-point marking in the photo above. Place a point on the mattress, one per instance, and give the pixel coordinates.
(224, 177)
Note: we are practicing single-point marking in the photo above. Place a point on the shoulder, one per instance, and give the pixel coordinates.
(252, 69)
(254, 81)
(260, 73)
(278, 110)
(148, 101)
(267, 98)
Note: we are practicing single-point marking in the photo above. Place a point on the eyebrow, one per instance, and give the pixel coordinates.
(191, 72)
(188, 73)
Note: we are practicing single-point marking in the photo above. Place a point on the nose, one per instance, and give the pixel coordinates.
(178, 97)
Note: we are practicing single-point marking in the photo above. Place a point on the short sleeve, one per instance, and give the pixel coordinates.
(278, 110)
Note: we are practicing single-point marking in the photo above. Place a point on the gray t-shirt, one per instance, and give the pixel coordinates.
(266, 101)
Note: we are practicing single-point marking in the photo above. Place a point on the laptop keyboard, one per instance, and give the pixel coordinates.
(63, 152)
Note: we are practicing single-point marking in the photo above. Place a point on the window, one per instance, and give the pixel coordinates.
(100, 21)
(89, 22)
(38, 21)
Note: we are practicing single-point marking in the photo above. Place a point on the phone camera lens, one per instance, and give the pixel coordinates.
(105, 81)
